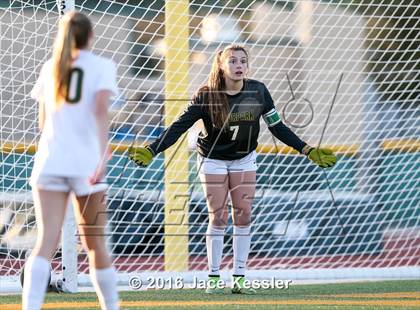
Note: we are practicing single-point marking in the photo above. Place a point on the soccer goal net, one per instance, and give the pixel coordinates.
(343, 74)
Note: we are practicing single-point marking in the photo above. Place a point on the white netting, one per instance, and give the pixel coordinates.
(354, 57)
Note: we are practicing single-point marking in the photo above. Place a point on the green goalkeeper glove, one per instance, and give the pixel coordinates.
(321, 156)
(142, 156)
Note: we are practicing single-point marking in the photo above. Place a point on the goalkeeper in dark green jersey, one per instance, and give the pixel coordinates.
(230, 106)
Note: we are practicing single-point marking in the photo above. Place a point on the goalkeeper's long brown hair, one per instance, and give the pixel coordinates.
(218, 105)
(74, 32)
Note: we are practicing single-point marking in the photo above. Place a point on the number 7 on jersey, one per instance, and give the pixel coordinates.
(235, 130)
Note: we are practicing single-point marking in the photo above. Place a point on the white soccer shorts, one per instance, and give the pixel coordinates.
(78, 185)
(216, 166)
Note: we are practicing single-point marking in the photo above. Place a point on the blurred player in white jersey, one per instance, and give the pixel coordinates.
(73, 91)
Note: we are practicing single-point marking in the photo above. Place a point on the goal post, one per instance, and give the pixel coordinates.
(358, 220)
(176, 158)
(65, 6)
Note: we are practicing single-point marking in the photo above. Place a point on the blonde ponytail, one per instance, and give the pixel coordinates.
(64, 48)
(73, 34)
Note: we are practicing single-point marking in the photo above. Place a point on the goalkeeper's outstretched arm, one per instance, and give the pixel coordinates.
(143, 156)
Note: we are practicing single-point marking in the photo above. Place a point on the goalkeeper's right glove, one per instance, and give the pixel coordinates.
(142, 156)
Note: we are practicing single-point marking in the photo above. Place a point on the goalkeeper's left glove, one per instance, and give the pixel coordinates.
(322, 157)
(142, 156)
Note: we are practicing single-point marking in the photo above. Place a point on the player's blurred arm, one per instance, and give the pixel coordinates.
(102, 124)
(41, 115)
(102, 120)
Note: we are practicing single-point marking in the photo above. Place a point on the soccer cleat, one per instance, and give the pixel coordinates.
(214, 285)
(239, 286)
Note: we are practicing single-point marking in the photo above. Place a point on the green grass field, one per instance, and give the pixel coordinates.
(361, 295)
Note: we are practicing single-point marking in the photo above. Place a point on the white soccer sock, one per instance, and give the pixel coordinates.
(241, 245)
(36, 276)
(105, 283)
(214, 242)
